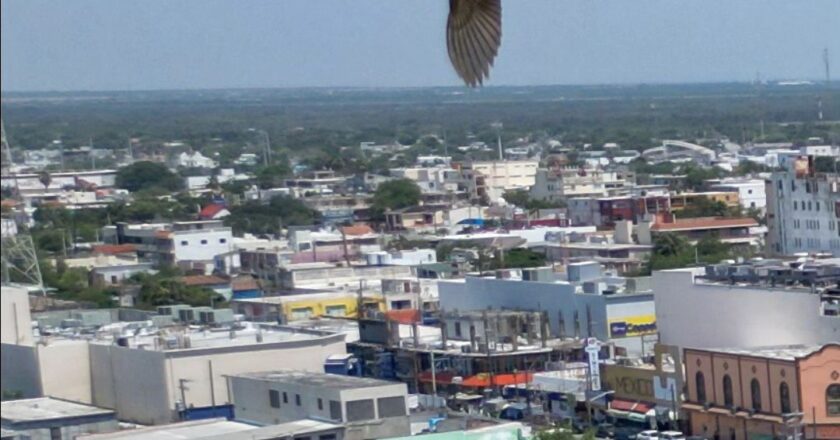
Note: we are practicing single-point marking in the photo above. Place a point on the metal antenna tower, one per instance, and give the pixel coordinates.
(19, 259)
(7, 152)
(827, 63)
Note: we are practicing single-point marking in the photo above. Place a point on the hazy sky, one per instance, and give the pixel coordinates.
(161, 44)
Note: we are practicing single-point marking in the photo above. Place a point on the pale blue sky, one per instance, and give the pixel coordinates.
(164, 44)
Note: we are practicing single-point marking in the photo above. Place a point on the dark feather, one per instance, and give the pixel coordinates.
(473, 37)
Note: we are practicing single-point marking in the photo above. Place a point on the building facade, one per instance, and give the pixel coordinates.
(369, 408)
(803, 209)
(785, 392)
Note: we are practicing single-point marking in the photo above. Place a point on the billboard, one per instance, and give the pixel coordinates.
(633, 326)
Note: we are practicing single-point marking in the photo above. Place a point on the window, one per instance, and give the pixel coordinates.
(55, 433)
(274, 398)
(755, 391)
(320, 404)
(203, 241)
(285, 397)
(335, 410)
(700, 384)
(832, 400)
(784, 397)
(185, 243)
(728, 400)
(223, 240)
(458, 329)
(297, 399)
(359, 410)
(391, 407)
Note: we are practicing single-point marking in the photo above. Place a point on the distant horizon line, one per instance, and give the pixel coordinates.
(813, 81)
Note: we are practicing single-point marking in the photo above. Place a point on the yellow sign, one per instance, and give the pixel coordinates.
(633, 326)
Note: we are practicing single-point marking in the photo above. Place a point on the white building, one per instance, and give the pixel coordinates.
(803, 210)
(370, 408)
(195, 160)
(14, 316)
(584, 304)
(693, 311)
(751, 192)
(148, 381)
(561, 183)
(494, 178)
(408, 257)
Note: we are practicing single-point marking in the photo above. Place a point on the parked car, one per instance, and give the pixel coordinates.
(605, 430)
(671, 435)
(648, 435)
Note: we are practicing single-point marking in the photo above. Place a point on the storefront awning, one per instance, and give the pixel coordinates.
(631, 406)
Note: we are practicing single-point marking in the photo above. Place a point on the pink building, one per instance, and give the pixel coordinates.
(764, 393)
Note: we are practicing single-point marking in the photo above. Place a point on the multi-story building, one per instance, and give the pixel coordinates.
(368, 408)
(790, 392)
(560, 183)
(682, 201)
(748, 305)
(751, 192)
(173, 243)
(290, 308)
(433, 179)
(492, 179)
(153, 376)
(607, 211)
(586, 303)
(803, 209)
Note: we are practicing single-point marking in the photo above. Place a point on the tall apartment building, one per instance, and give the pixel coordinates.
(803, 209)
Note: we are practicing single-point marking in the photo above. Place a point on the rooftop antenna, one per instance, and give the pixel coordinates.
(7, 162)
(498, 127)
(827, 63)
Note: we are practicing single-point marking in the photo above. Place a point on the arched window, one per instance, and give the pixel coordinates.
(832, 400)
(728, 400)
(755, 390)
(784, 397)
(700, 383)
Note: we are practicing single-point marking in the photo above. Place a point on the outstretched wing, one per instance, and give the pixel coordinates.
(473, 37)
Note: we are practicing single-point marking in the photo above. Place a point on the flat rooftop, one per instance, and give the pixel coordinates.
(47, 408)
(215, 338)
(785, 353)
(333, 381)
(295, 429)
(197, 429)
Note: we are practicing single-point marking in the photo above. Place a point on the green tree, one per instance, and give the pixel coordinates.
(148, 175)
(669, 244)
(706, 207)
(282, 211)
(518, 258)
(395, 194)
(273, 175)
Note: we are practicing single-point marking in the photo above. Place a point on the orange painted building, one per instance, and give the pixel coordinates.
(764, 393)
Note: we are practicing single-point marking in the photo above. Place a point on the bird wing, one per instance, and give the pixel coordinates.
(473, 37)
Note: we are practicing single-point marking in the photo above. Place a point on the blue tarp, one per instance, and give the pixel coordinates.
(472, 221)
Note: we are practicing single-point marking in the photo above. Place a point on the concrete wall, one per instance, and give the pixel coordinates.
(132, 382)
(19, 370)
(305, 356)
(14, 316)
(708, 316)
(65, 370)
